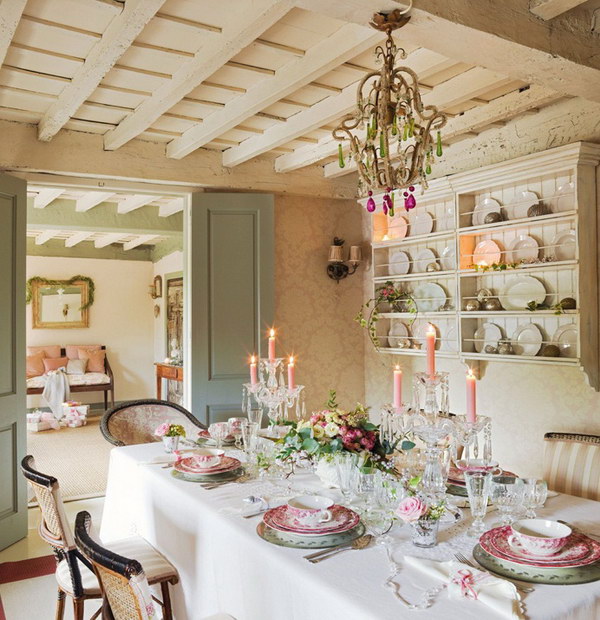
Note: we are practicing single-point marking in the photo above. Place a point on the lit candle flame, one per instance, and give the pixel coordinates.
(397, 366)
(430, 328)
(291, 360)
(271, 333)
(470, 372)
(253, 359)
(385, 238)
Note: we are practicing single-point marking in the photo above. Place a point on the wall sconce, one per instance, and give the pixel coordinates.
(337, 269)
(155, 289)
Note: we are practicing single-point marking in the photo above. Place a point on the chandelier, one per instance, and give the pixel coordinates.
(400, 134)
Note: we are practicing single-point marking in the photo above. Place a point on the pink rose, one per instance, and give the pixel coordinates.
(411, 509)
(162, 430)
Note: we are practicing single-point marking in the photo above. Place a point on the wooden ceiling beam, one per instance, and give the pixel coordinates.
(117, 38)
(134, 243)
(107, 239)
(77, 238)
(549, 9)
(244, 27)
(46, 236)
(91, 200)
(10, 15)
(45, 196)
(134, 201)
(171, 207)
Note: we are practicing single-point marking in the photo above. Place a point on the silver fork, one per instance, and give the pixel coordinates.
(461, 558)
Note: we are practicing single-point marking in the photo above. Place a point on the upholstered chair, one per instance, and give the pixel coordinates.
(134, 422)
(572, 464)
(74, 572)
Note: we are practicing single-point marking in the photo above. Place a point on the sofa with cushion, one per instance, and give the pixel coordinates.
(87, 367)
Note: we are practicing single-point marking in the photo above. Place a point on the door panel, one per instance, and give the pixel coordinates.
(231, 284)
(13, 210)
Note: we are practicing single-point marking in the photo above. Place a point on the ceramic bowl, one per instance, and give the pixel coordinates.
(310, 509)
(208, 457)
(540, 537)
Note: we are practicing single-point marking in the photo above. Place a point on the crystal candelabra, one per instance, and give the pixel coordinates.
(476, 439)
(396, 423)
(272, 393)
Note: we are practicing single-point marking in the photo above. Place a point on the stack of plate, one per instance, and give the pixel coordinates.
(205, 439)
(280, 527)
(189, 468)
(576, 562)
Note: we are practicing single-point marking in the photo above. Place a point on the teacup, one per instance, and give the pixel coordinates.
(208, 457)
(310, 510)
(540, 537)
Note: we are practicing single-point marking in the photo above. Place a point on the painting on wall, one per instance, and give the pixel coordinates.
(174, 303)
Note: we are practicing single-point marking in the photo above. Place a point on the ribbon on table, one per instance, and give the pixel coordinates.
(466, 581)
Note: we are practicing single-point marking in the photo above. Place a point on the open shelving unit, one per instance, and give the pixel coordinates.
(546, 240)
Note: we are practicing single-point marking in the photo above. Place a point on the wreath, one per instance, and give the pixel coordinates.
(73, 280)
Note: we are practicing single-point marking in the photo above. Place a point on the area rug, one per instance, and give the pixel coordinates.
(77, 457)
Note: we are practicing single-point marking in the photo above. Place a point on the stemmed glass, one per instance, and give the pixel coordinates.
(235, 429)
(535, 494)
(255, 415)
(346, 465)
(507, 494)
(218, 431)
(365, 485)
(250, 437)
(478, 489)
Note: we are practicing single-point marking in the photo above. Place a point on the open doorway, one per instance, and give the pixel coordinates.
(104, 323)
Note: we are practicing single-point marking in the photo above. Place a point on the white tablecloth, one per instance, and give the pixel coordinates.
(224, 566)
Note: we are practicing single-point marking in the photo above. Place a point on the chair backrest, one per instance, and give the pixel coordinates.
(572, 464)
(134, 422)
(122, 580)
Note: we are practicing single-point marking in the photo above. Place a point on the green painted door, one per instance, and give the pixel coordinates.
(231, 283)
(13, 211)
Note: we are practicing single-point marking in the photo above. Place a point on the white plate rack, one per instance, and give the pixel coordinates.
(391, 332)
(432, 292)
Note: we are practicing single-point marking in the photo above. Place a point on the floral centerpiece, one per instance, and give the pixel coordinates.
(170, 434)
(422, 515)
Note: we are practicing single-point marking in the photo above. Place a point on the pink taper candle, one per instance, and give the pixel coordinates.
(397, 388)
(291, 374)
(471, 397)
(271, 345)
(430, 336)
(253, 371)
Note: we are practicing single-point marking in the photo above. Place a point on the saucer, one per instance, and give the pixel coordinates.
(343, 519)
(188, 466)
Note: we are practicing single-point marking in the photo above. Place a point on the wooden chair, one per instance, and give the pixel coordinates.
(74, 573)
(134, 422)
(572, 464)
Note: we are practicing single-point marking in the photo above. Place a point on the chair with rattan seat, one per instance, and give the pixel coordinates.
(134, 422)
(74, 573)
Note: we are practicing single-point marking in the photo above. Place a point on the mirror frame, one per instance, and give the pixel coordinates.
(36, 317)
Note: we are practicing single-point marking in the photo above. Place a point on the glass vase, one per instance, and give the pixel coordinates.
(425, 533)
(170, 444)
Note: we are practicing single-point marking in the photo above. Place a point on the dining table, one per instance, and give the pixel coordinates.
(224, 566)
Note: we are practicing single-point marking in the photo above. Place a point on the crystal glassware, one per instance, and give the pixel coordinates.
(250, 437)
(365, 485)
(425, 533)
(507, 494)
(255, 415)
(218, 431)
(534, 495)
(346, 465)
(478, 489)
(235, 429)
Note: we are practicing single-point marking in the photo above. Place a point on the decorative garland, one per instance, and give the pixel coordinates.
(46, 282)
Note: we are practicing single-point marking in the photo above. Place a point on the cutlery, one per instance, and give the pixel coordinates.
(215, 485)
(461, 558)
(358, 543)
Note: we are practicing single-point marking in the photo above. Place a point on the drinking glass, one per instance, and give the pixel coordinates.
(235, 429)
(478, 489)
(250, 437)
(535, 494)
(365, 485)
(346, 465)
(507, 494)
(218, 431)
(255, 415)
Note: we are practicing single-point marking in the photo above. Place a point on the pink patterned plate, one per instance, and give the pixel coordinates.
(188, 465)
(579, 550)
(343, 519)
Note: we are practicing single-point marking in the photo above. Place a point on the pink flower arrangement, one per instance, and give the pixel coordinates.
(162, 430)
(169, 430)
(411, 509)
(357, 439)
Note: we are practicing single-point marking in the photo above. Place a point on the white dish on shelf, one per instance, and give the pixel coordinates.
(521, 290)
(487, 252)
(398, 330)
(448, 258)
(399, 263)
(446, 220)
(448, 339)
(487, 334)
(487, 205)
(421, 222)
(565, 338)
(397, 227)
(419, 331)
(521, 203)
(424, 257)
(522, 247)
(429, 296)
(527, 340)
(564, 245)
(565, 197)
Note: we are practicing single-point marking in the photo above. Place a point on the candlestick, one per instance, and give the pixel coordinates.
(271, 345)
(253, 371)
(397, 388)
(430, 336)
(471, 397)
(291, 374)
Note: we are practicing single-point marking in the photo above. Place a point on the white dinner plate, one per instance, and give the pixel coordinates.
(520, 204)
(446, 220)
(487, 205)
(399, 263)
(448, 258)
(521, 290)
(448, 339)
(419, 332)
(421, 222)
(487, 253)
(522, 247)
(429, 296)
(564, 245)
(565, 197)
(397, 227)
(527, 340)
(488, 333)
(424, 257)
(397, 331)
(565, 338)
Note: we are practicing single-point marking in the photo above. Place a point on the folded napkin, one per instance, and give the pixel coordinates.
(166, 458)
(466, 582)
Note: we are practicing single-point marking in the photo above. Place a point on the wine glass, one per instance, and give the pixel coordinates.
(218, 431)
(365, 485)
(478, 489)
(507, 494)
(235, 429)
(535, 494)
(250, 437)
(346, 465)
(255, 415)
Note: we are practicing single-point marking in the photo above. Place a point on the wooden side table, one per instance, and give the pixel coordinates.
(166, 371)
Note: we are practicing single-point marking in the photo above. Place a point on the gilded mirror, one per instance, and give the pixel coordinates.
(60, 305)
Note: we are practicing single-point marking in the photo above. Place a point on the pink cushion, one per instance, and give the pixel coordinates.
(35, 365)
(52, 351)
(95, 359)
(54, 364)
(72, 349)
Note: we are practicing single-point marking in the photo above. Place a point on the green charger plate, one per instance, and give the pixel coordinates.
(228, 475)
(283, 539)
(453, 489)
(533, 574)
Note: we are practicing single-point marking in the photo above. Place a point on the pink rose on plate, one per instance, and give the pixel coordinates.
(162, 430)
(411, 509)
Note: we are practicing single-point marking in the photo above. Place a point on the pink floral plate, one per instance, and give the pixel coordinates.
(343, 519)
(579, 550)
(456, 476)
(188, 465)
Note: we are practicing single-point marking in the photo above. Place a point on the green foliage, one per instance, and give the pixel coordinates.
(407, 445)
(73, 280)
(495, 267)
(175, 430)
(332, 402)
(558, 308)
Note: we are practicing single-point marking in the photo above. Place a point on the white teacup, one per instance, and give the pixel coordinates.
(208, 457)
(310, 510)
(540, 537)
